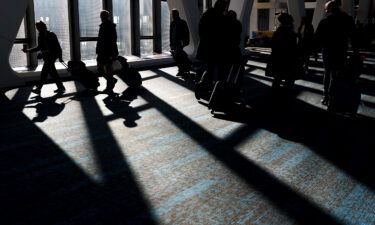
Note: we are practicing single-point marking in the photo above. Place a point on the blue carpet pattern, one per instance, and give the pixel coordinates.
(158, 156)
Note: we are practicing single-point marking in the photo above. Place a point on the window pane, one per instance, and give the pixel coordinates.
(17, 58)
(146, 17)
(89, 17)
(165, 22)
(88, 50)
(121, 17)
(263, 19)
(21, 31)
(55, 14)
(147, 47)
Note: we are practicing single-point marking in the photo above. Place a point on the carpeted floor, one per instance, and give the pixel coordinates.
(158, 156)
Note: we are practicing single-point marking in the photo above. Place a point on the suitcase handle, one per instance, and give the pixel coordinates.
(238, 72)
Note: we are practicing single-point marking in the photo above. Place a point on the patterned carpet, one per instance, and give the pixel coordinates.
(158, 156)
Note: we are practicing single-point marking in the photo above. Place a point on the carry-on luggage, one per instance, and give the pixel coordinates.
(128, 74)
(226, 92)
(79, 72)
(345, 95)
(182, 60)
(203, 86)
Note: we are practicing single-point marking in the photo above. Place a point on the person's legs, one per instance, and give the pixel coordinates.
(43, 75)
(55, 76)
(182, 61)
(326, 79)
(111, 81)
(104, 68)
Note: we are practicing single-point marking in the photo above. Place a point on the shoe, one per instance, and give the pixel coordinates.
(325, 101)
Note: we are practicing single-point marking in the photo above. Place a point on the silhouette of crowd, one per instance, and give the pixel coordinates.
(220, 59)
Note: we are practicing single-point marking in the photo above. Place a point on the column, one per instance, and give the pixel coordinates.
(319, 12)
(296, 8)
(364, 11)
(243, 10)
(11, 14)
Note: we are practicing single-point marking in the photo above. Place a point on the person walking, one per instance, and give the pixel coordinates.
(333, 34)
(284, 59)
(179, 38)
(306, 41)
(50, 51)
(106, 49)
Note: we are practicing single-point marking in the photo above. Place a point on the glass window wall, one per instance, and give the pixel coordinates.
(146, 17)
(18, 58)
(165, 24)
(121, 17)
(55, 14)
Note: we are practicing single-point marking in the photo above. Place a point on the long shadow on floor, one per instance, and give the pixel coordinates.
(42, 185)
(287, 200)
(119, 184)
(347, 143)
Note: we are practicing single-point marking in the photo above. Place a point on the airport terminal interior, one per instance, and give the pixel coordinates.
(158, 155)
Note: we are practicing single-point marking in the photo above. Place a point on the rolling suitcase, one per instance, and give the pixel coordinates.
(79, 72)
(225, 92)
(129, 74)
(131, 77)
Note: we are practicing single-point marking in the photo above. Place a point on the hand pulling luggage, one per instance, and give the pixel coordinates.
(79, 72)
(225, 92)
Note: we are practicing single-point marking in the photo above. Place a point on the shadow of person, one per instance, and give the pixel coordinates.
(47, 107)
(346, 142)
(122, 108)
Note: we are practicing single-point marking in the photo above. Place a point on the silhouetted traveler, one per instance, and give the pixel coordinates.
(106, 49)
(306, 41)
(333, 34)
(179, 38)
(50, 50)
(284, 56)
(213, 45)
(234, 38)
(212, 32)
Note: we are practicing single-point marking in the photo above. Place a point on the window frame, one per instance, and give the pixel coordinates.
(74, 29)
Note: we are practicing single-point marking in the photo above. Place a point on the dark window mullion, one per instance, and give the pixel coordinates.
(86, 39)
(75, 47)
(135, 27)
(21, 41)
(147, 37)
(157, 25)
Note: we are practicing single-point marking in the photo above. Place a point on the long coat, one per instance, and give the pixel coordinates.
(284, 56)
(106, 46)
